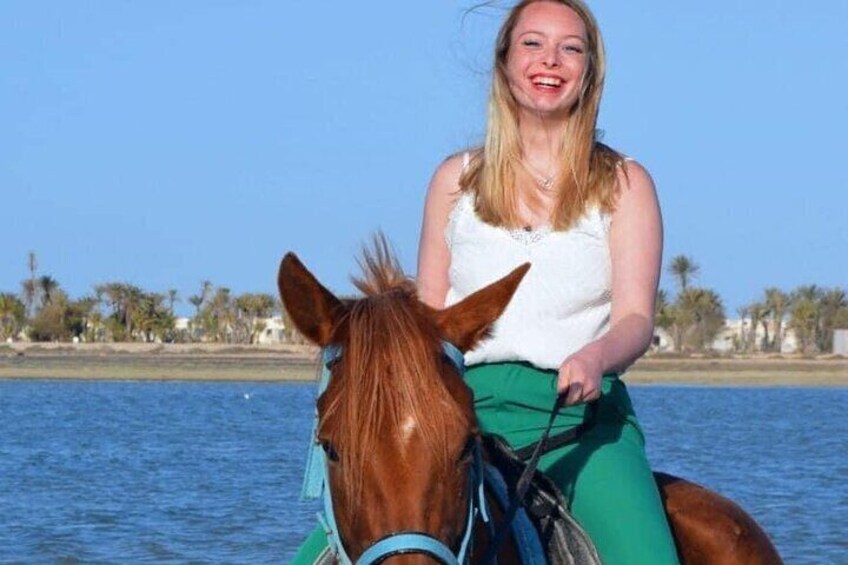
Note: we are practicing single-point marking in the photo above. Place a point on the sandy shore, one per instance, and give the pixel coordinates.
(137, 361)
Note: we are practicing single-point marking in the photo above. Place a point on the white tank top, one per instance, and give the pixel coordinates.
(562, 304)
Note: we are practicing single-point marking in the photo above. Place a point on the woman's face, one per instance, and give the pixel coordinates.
(547, 59)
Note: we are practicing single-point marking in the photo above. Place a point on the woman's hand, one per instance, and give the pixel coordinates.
(580, 376)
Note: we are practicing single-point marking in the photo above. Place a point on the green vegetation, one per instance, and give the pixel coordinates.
(696, 316)
(12, 315)
(813, 315)
(123, 312)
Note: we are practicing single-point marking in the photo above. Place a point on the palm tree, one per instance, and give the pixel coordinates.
(152, 318)
(219, 317)
(56, 320)
(684, 269)
(705, 311)
(30, 286)
(172, 299)
(742, 340)
(777, 303)
(12, 315)
(87, 309)
(124, 299)
(662, 313)
(805, 316)
(47, 286)
(833, 306)
(251, 308)
(133, 297)
(198, 300)
(758, 313)
(29, 289)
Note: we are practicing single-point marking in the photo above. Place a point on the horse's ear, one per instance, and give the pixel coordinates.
(467, 322)
(313, 309)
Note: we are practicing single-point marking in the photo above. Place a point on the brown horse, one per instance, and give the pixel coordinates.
(398, 427)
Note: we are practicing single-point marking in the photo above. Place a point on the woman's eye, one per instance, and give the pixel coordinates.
(573, 49)
(531, 43)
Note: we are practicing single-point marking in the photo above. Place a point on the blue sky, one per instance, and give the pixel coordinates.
(164, 143)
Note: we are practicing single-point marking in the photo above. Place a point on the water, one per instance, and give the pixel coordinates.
(210, 472)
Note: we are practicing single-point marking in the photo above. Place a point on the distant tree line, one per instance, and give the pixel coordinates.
(695, 316)
(122, 312)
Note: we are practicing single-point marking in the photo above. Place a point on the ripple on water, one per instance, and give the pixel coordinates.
(123, 471)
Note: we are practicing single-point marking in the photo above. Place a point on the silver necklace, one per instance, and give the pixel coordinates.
(545, 182)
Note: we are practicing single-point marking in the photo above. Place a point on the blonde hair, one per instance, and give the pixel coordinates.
(588, 169)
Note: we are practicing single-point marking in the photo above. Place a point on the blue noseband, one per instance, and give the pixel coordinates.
(396, 543)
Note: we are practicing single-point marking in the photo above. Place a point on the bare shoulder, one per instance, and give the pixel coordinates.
(445, 182)
(634, 177)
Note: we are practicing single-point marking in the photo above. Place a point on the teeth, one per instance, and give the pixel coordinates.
(547, 81)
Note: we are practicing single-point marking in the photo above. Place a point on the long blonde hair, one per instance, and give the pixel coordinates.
(588, 169)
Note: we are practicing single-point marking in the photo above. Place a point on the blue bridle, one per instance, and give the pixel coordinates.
(399, 543)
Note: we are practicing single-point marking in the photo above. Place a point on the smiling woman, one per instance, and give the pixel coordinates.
(542, 189)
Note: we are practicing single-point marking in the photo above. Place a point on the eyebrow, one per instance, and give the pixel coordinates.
(570, 36)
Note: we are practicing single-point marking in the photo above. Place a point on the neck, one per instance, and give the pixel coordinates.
(540, 141)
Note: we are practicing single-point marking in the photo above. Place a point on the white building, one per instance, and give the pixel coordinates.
(733, 335)
(840, 342)
(273, 330)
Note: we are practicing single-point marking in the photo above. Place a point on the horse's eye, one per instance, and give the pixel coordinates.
(333, 362)
(329, 450)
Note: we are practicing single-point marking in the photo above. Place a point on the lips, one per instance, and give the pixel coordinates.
(546, 82)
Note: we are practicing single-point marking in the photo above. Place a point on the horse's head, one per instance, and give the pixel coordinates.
(396, 421)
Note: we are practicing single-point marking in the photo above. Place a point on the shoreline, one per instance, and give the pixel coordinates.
(299, 363)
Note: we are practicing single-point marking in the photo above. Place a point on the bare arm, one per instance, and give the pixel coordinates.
(433, 252)
(636, 254)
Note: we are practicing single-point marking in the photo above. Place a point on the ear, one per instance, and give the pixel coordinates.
(468, 321)
(313, 309)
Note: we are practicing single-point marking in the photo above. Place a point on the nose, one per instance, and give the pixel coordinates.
(551, 57)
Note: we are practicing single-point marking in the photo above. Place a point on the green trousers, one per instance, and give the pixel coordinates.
(604, 477)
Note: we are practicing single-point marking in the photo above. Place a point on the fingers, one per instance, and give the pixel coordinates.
(591, 393)
(578, 391)
(576, 386)
(574, 394)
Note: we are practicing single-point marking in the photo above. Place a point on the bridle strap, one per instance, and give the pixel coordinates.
(410, 542)
(417, 542)
(407, 542)
(456, 357)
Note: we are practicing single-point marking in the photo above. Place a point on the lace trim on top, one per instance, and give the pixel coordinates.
(529, 236)
(465, 204)
(524, 236)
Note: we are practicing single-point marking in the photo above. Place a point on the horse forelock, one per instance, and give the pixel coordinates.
(388, 380)
(381, 271)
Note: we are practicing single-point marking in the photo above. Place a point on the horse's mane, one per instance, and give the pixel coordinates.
(389, 371)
